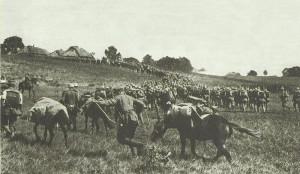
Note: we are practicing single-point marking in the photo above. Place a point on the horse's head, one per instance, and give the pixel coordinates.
(158, 130)
(84, 99)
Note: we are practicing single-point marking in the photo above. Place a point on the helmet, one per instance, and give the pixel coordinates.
(282, 87)
(71, 85)
(75, 84)
(119, 88)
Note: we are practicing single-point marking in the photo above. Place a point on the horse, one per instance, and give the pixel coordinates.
(29, 85)
(49, 112)
(93, 110)
(211, 127)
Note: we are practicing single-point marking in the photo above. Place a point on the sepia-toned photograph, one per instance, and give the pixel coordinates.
(150, 86)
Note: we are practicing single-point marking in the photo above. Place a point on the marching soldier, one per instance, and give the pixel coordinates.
(284, 97)
(11, 108)
(70, 100)
(27, 80)
(296, 99)
(100, 93)
(127, 119)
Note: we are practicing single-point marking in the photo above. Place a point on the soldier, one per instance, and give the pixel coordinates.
(100, 93)
(267, 94)
(284, 97)
(27, 80)
(11, 108)
(261, 100)
(76, 88)
(70, 100)
(243, 98)
(296, 99)
(127, 119)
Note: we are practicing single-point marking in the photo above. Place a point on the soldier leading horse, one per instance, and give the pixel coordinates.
(212, 127)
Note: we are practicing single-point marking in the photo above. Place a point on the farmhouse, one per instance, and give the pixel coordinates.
(75, 51)
(57, 53)
(33, 51)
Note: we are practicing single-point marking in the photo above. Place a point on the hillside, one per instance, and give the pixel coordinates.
(63, 72)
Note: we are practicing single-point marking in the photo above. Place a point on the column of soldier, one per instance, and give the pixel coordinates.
(129, 102)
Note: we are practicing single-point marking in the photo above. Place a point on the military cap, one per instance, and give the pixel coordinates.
(119, 88)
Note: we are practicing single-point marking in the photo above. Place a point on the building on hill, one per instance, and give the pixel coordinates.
(233, 74)
(77, 52)
(33, 51)
(57, 53)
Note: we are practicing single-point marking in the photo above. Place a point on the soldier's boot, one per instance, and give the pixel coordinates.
(7, 130)
(132, 150)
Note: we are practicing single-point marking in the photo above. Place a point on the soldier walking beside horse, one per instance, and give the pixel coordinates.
(127, 119)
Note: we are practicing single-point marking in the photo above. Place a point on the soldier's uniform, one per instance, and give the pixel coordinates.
(296, 99)
(11, 108)
(70, 100)
(27, 80)
(127, 119)
(284, 97)
(100, 93)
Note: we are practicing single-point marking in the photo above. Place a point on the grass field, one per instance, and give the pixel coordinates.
(277, 152)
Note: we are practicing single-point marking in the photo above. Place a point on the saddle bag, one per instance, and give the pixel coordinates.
(13, 98)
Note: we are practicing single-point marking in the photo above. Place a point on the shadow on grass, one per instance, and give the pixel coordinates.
(23, 139)
(90, 154)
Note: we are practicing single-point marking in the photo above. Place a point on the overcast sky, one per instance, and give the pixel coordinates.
(219, 35)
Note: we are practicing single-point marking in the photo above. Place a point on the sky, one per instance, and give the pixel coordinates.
(219, 35)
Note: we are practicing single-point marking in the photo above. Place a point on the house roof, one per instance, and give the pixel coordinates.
(33, 50)
(75, 51)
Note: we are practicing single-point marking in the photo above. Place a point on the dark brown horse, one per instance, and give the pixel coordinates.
(93, 110)
(211, 127)
(29, 86)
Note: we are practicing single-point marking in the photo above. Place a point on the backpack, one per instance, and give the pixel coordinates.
(261, 94)
(243, 93)
(12, 98)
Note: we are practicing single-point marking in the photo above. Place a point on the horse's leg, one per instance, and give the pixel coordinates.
(183, 143)
(45, 134)
(65, 134)
(193, 147)
(93, 124)
(33, 94)
(51, 134)
(35, 132)
(221, 151)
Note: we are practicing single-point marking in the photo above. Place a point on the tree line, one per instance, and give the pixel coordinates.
(182, 64)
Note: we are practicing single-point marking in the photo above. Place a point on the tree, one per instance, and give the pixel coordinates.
(291, 72)
(131, 60)
(113, 55)
(172, 64)
(252, 73)
(12, 45)
(265, 72)
(148, 60)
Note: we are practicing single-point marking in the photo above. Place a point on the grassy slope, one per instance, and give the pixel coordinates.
(277, 152)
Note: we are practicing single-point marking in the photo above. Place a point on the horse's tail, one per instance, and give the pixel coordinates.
(244, 130)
